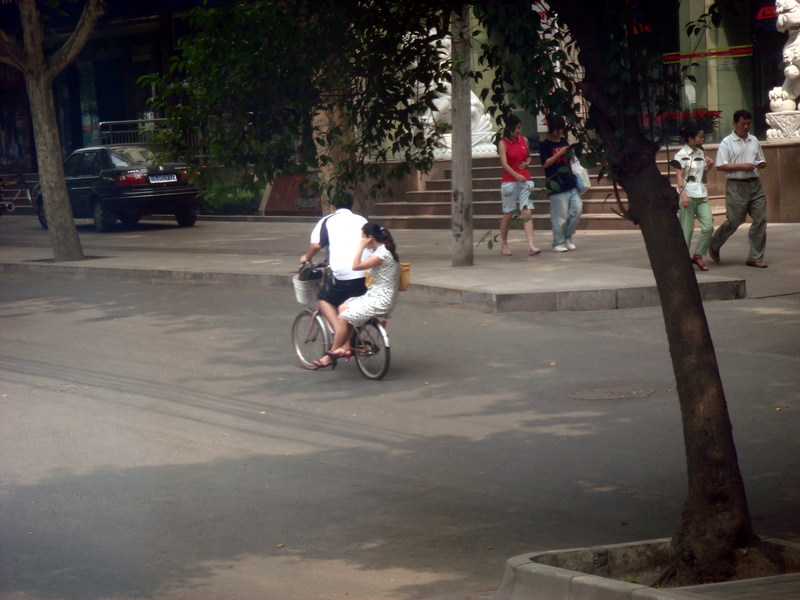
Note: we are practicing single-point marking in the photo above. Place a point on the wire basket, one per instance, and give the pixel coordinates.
(306, 291)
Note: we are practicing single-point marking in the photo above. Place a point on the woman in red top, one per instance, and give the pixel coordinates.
(516, 188)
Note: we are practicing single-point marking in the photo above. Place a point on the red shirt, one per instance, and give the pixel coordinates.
(516, 152)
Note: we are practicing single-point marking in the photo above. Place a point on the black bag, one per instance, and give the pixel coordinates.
(310, 272)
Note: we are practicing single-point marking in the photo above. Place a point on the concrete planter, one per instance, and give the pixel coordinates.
(599, 573)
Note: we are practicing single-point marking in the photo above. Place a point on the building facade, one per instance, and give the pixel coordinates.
(733, 66)
(132, 39)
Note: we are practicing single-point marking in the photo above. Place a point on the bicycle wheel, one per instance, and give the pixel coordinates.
(372, 350)
(310, 338)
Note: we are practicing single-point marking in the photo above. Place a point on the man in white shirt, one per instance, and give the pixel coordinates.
(340, 232)
(740, 157)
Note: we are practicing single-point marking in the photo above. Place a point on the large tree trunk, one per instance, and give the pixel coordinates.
(462, 143)
(40, 71)
(715, 522)
(60, 223)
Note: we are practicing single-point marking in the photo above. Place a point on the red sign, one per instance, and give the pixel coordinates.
(766, 12)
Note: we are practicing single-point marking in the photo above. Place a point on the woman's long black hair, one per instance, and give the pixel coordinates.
(381, 235)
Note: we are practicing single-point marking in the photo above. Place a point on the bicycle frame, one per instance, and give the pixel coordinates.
(370, 342)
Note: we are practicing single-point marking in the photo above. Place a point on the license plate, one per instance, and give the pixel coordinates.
(163, 178)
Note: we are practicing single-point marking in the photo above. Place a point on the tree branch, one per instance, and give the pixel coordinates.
(92, 12)
(11, 53)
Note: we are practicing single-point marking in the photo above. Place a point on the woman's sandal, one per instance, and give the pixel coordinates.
(346, 354)
(698, 260)
(534, 252)
(318, 364)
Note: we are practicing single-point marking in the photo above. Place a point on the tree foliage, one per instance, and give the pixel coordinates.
(250, 82)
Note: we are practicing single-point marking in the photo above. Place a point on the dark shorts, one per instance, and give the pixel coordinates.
(343, 290)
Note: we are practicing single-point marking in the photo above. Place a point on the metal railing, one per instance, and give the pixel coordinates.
(136, 131)
(140, 131)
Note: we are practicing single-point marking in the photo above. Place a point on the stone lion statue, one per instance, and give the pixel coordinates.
(785, 98)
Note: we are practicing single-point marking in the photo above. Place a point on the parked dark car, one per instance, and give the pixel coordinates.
(123, 181)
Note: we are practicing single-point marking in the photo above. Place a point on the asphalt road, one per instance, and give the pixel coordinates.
(158, 441)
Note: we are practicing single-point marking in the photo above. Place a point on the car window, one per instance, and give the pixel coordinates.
(102, 160)
(128, 156)
(71, 166)
(88, 164)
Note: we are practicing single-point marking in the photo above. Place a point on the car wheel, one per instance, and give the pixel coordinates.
(40, 214)
(103, 219)
(186, 218)
(130, 219)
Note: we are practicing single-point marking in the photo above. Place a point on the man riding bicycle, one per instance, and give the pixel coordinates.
(340, 232)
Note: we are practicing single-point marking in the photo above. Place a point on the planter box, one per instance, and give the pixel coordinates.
(599, 573)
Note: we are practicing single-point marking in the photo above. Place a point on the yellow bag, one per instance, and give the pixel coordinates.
(405, 277)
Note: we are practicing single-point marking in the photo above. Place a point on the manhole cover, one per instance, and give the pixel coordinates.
(612, 393)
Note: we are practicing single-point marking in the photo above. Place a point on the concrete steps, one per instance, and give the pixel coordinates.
(430, 206)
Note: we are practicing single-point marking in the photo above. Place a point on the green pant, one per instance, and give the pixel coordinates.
(742, 199)
(700, 208)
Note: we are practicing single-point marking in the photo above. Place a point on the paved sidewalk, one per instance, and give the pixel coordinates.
(609, 269)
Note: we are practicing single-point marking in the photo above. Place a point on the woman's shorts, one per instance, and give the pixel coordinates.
(517, 194)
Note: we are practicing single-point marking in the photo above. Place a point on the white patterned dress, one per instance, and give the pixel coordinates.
(381, 296)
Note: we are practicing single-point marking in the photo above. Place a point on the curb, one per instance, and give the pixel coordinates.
(484, 301)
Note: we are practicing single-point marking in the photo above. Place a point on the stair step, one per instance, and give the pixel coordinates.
(481, 207)
(431, 206)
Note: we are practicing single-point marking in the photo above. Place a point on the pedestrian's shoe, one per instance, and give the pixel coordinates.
(570, 245)
(713, 253)
(560, 248)
(698, 260)
(757, 264)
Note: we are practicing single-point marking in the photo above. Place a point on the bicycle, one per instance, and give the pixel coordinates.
(7, 181)
(312, 335)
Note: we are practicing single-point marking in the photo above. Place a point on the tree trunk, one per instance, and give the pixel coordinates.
(715, 522)
(40, 71)
(462, 143)
(60, 223)
(715, 519)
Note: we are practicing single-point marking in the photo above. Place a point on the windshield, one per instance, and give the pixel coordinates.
(128, 156)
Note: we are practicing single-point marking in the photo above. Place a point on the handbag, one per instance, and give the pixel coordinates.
(310, 272)
(405, 277)
(582, 180)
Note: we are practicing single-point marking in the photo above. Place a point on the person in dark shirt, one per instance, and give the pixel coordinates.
(565, 202)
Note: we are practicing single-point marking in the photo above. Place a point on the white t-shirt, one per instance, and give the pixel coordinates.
(693, 164)
(734, 150)
(344, 235)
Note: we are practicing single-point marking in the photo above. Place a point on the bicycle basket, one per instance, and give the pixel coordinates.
(305, 291)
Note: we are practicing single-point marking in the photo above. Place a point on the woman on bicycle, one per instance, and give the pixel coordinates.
(380, 298)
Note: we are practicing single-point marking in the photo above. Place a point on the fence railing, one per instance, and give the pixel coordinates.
(139, 131)
(129, 132)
